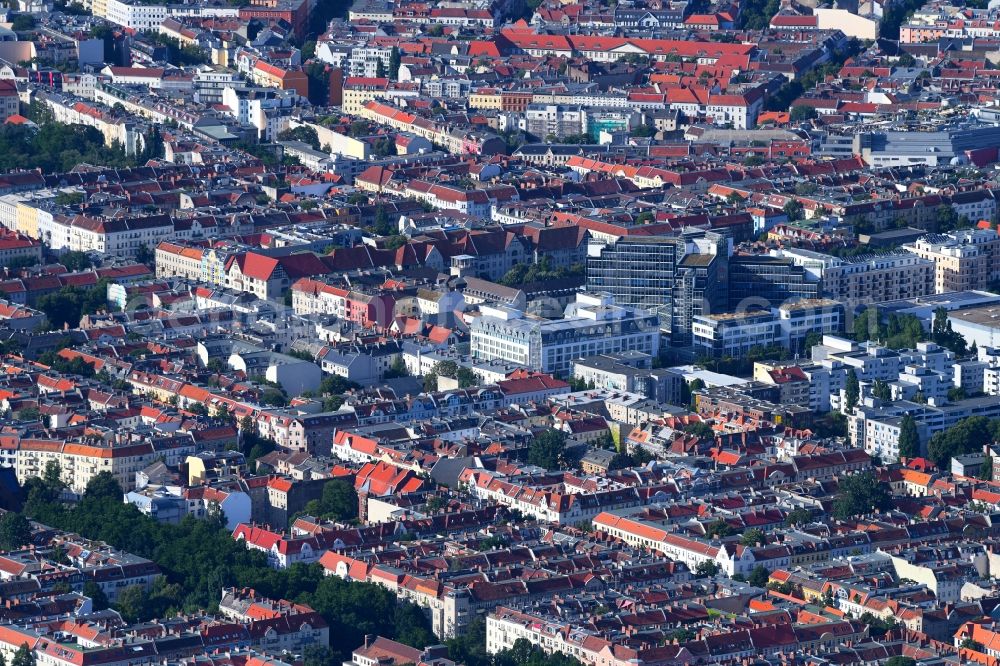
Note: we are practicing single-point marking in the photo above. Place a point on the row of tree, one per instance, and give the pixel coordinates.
(65, 308)
(56, 147)
(199, 557)
(906, 330)
(528, 273)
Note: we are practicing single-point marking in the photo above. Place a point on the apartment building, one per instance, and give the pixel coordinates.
(644, 534)
(561, 506)
(311, 296)
(734, 334)
(270, 277)
(18, 246)
(963, 260)
(135, 15)
(507, 625)
(359, 90)
(880, 278)
(458, 140)
(174, 260)
(79, 462)
(543, 120)
(598, 327)
(312, 433)
(877, 429)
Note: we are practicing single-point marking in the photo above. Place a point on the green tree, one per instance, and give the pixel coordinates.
(900, 661)
(339, 502)
(548, 449)
(759, 576)
(719, 529)
(706, 569)
(621, 461)
(430, 382)
(753, 537)
(793, 209)
(466, 378)
(302, 133)
(397, 369)
(801, 113)
(96, 595)
(945, 219)
(523, 653)
(860, 494)
(318, 655)
(144, 255)
(696, 384)
(469, 646)
(394, 62)
(881, 390)
(104, 485)
(446, 369)
(273, 396)
(812, 339)
(701, 430)
(65, 307)
(319, 83)
(15, 531)
(909, 438)
(197, 557)
(24, 656)
(153, 145)
(23, 23)
(52, 477)
(942, 333)
(877, 627)
(384, 226)
(865, 325)
(76, 261)
(131, 602)
(644, 131)
(336, 385)
(852, 390)
(967, 436)
(798, 516)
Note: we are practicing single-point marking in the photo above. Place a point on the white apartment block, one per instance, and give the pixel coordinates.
(734, 334)
(877, 429)
(597, 327)
(135, 16)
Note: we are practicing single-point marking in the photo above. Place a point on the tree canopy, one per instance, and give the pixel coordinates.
(339, 502)
(942, 333)
(68, 305)
(860, 494)
(852, 390)
(967, 436)
(538, 272)
(56, 147)
(15, 531)
(548, 449)
(909, 438)
(199, 557)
